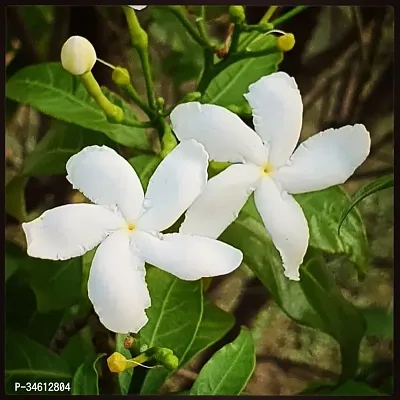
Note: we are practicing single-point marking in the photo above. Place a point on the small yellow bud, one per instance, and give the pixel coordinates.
(121, 76)
(117, 362)
(286, 42)
(78, 55)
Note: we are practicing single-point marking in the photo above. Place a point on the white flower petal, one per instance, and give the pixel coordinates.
(220, 202)
(224, 135)
(176, 182)
(277, 114)
(285, 222)
(188, 257)
(326, 159)
(106, 178)
(116, 286)
(78, 55)
(69, 231)
(138, 7)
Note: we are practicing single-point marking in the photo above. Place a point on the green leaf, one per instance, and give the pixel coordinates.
(229, 369)
(85, 380)
(56, 283)
(60, 143)
(174, 319)
(379, 322)
(214, 325)
(53, 91)
(14, 256)
(15, 198)
(322, 210)
(353, 388)
(145, 165)
(125, 377)
(314, 301)
(232, 83)
(379, 184)
(21, 311)
(335, 312)
(28, 361)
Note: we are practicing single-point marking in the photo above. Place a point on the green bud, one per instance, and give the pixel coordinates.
(171, 362)
(265, 26)
(168, 142)
(192, 96)
(162, 353)
(161, 102)
(237, 14)
(116, 115)
(138, 35)
(121, 76)
(285, 42)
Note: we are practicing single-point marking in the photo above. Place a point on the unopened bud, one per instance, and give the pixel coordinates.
(286, 42)
(117, 362)
(128, 342)
(162, 353)
(192, 96)
(121, 76)
(78, 55)
(171, 362)
(237, 14)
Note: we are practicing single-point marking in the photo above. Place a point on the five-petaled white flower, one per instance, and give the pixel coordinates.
(138, 7)
(267, 164)
(127, 224)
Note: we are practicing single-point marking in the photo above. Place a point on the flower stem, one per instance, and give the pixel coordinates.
(267, 16)
(139, 41)
(288, 15)
(199, 37)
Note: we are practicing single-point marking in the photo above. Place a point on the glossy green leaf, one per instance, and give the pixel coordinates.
(380, 322)
(56, 284)
(315, 301)
(145, 165)
(322, 210)
(229, 369)
(175, 316)
(15, 198)
(28, 361)
(86, 378)
(214, 325)
(229, 86)
(384, 182)
(53, 91)
(60, 143)
(335, 312)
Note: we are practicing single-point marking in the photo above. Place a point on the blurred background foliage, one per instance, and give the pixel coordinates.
(343, 64)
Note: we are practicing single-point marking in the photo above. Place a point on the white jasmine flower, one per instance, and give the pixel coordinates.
(138, 7)
(127, 224)
(264, 163)
(78, 55)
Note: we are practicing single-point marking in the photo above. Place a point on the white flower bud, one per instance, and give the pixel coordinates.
(78, 55)
(138, 7)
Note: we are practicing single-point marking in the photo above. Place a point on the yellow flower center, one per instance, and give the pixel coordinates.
(267, 169)
(131, 227)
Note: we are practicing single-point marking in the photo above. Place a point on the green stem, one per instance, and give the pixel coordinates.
(267, 16)
(137, 124)
(139, 41)
(202, 29)
(235, 39)
(135, 97)
(288, 15)
(179, 12)
(113, 112)
(144, 59)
